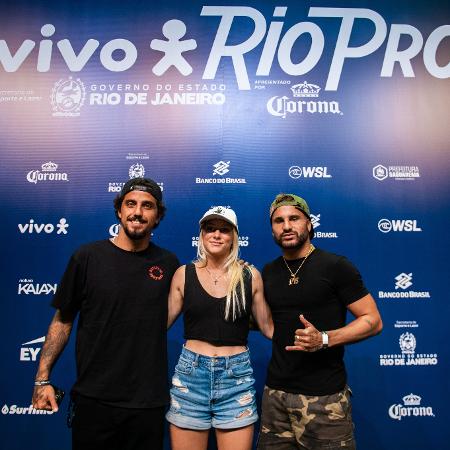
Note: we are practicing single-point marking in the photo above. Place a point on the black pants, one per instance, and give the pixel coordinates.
(96, 426)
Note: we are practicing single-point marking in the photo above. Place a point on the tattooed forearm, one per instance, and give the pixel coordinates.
(55, 341)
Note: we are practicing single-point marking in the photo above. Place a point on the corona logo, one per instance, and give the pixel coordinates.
(49, 167)
(305, 90)
(411, 400)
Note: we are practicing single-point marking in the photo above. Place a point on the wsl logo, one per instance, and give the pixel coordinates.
(297, 172)
(305, 92)
(68, 96)
(48, 173)
(410, 408)
(398, 225)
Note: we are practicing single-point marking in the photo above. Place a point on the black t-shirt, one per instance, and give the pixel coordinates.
(204, 315)
(327, 284)
(121, 344)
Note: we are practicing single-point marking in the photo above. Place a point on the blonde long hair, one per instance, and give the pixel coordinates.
(235, 304)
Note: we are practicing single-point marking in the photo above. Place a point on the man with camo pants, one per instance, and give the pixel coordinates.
(306, 402)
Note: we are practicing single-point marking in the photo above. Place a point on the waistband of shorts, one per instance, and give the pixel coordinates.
(220, 361)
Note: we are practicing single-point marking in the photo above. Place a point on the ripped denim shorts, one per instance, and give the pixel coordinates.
(212, 392)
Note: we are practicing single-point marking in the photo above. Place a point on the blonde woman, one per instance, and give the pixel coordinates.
(213, 382)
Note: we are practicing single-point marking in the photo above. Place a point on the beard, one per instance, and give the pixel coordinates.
(293, 244)
(135, 235)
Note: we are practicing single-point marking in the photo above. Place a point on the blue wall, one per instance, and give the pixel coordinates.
(365, 142)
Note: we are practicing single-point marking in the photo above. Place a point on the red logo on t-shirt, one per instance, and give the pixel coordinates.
(156, 273)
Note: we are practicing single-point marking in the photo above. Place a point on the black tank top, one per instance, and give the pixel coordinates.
(204, 315)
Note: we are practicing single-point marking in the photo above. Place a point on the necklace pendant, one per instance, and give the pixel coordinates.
(293, 280)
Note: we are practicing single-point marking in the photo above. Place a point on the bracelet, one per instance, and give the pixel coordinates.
(324, 339)
(42, 382)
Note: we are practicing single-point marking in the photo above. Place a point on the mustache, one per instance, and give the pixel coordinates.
(136, 217)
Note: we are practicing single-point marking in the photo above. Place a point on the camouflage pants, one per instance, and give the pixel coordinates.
(296, 421)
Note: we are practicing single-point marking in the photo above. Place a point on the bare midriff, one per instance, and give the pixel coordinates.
(207, 349)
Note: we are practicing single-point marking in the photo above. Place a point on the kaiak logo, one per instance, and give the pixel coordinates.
(28, 287)
(398, 225)
(309, 172)
(410, 408)
(48, 228)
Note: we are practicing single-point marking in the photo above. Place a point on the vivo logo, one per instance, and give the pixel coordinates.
(48, 228)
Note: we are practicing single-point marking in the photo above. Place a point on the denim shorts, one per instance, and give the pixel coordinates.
(212, 391)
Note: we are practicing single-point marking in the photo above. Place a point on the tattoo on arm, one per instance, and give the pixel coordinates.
(369, 323)
(55, 341)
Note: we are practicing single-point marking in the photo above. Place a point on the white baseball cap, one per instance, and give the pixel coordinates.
(220, 212)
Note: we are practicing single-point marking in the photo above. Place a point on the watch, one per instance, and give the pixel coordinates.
(324, 339)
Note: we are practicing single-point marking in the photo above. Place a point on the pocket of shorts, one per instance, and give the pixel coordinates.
(184, 366)
(241, 370)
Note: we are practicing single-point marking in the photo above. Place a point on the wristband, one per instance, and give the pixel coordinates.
(324, 339)
(42, 382)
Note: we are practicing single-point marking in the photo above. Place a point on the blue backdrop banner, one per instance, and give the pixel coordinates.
(230, 103)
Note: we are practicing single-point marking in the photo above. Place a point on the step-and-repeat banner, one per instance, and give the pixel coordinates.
(230, 103)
